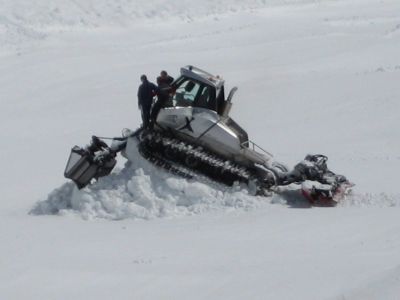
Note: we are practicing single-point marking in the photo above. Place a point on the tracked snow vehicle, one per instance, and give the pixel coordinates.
(192, 133)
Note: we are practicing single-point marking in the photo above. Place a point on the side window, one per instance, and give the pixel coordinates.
(204, 97)
(186, 93)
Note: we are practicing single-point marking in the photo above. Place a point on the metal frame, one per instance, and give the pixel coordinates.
(203, 76)
(254, 146)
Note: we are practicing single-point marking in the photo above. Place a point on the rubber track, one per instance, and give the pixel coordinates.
(155, 148)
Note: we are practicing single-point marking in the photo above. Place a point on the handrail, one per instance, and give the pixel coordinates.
(254, 146)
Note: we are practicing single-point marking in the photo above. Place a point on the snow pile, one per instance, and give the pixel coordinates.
(142, 191)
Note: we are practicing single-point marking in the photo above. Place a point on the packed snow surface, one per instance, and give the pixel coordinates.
(313, 77)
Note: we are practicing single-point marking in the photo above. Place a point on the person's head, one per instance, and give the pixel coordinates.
(164, 74)
(143, 78)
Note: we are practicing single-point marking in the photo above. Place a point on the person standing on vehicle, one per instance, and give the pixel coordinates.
(164, 82)
(147, 90)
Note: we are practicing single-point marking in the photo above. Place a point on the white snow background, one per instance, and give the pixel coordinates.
(313, 77)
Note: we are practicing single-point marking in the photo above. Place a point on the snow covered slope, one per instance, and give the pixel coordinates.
(29, 21)
(313, 76)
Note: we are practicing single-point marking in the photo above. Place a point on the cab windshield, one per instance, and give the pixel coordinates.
(190, 92)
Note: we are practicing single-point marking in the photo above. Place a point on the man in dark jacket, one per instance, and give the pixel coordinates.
(164, 80)
(147, 90)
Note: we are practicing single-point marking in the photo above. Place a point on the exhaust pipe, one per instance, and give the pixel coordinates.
(228, 103)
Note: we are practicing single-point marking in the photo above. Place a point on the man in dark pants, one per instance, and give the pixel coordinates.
(147, 90)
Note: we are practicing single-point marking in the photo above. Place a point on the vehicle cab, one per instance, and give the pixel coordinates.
(198, 88)
(198, 111)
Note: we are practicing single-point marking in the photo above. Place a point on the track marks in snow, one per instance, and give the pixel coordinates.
(22, 21)
(381, 69)
(371, 200)
(208, 34)
(384, 286)
(394, 31)
(359, 21)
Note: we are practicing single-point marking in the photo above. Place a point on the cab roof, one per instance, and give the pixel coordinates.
(202, 76)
